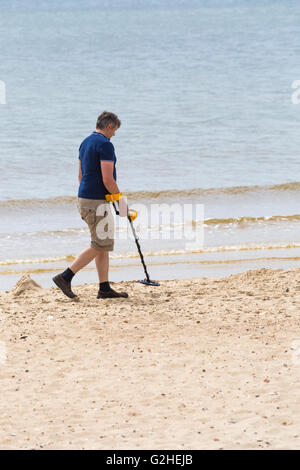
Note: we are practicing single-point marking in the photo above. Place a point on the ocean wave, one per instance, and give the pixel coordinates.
(166, 194)
(178, 261)
(53, 259)
(160, 253)
(150, 195)
(240, 222)
(252, 220)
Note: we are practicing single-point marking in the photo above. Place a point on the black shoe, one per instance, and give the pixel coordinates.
(65, 286)
(111, 294)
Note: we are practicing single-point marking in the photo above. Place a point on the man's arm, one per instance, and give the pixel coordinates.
(107, 169)
(79, 172)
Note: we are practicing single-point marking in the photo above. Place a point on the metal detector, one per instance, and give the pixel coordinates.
(147, 281)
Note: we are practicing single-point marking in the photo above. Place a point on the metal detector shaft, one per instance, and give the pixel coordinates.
(136, 241)
(139, 248)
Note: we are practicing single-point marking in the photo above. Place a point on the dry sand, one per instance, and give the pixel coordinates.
(193, 364)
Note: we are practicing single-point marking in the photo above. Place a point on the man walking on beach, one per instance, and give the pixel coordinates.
(97, 177)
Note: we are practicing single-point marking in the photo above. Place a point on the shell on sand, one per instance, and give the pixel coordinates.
(25, 284)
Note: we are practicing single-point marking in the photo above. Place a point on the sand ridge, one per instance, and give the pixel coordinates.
(199, 363)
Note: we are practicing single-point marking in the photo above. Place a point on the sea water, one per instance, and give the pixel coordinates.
(207, 95)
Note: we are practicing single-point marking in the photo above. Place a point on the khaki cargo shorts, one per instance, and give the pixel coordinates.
(98, 216)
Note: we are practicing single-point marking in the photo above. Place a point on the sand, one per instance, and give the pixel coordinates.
(193, 364)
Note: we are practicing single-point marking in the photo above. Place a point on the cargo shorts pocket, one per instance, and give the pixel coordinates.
(88, 215)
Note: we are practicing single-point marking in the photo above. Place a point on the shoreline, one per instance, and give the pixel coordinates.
(201, 363)
(165, 268)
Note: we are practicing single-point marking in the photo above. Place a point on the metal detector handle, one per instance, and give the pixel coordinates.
(116, 210)
(132, 214)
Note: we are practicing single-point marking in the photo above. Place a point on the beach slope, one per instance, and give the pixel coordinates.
(192, 364)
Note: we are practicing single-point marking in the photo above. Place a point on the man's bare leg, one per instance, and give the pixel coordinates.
(84, 259)
(63, 280)
(102, 265)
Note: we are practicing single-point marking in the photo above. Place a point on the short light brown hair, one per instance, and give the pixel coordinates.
(106, 118)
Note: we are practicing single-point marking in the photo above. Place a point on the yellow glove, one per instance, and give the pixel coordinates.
(132, 214)
(113, 197)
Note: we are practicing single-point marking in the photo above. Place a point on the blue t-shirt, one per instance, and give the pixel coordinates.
(94, 149)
